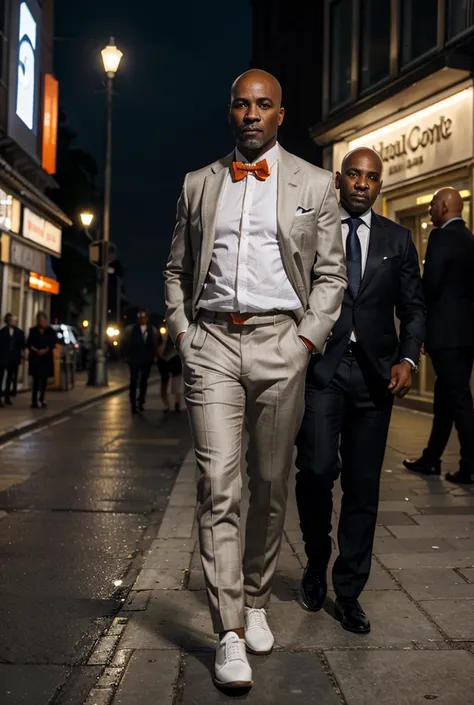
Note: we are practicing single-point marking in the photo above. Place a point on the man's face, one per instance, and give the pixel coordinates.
(42, 322)
(143, 318)
(360, 182)
(8, 320)
(14, 322)
(255, 113)
(437, 210)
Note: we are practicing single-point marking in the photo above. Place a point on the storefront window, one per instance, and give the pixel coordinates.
(460, 17)
(341, 51)
(419, 28)
(375, 42)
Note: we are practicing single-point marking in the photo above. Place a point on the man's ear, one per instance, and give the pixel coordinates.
(281, 116)
(338, 179)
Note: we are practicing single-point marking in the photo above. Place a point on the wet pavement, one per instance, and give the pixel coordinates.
(101, 498)
(80, 501)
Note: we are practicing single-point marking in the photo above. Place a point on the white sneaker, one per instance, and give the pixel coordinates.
(232, 669)
(258, 637)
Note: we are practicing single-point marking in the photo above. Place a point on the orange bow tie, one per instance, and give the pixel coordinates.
(241, 170)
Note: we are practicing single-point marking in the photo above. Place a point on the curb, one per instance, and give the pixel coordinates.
(55, 416)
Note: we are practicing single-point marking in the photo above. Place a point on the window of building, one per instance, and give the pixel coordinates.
(460, 17)
(375, 42)
(341, 51)
(419, 28)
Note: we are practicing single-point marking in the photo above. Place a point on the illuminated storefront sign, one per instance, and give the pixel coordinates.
(41, 231)
(50, 124)
(40, 283)
(26, 86)
(430, 139)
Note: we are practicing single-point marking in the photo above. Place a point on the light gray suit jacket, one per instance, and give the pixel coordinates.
(310, 243)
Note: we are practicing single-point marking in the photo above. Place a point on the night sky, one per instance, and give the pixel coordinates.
(169, 109)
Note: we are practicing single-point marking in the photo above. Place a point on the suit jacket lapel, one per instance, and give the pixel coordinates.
(212, 192)
(288, 196)
(378, 246)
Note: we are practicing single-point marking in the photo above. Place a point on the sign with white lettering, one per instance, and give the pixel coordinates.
(433, 138)
(41, 231)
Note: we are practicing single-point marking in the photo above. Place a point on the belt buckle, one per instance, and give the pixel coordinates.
(238, 319)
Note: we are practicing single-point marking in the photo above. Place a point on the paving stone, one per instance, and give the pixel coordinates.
(456, 591)
(30, 685)
(174, 619)
(409, 545)
(280, 679)
(395, 519)
(137, 601)
(435, 559)
(404, 506)
(178, 523)
(468, 573)
(149, 679)
(159, 580)
(396, 622)
(404, 678)
(409, 577)
(455, 617)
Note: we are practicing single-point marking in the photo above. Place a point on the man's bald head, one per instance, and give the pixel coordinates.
(447, 203)
(255, 112)
(267, 81)
(363, 153)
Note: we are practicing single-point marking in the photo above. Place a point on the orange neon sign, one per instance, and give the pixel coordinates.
(40, 283)
(50, 123)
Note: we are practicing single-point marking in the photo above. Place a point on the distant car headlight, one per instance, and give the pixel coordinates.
(111, 332)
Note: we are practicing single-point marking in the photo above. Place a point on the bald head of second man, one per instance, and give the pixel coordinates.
(360, 180)
(447, 204)
(255, 112)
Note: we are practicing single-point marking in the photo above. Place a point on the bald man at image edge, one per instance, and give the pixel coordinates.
(351, 388)
(448, 282)
(254, 285)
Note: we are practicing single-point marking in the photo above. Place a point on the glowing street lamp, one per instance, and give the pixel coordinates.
(111, 56)
(86, 218)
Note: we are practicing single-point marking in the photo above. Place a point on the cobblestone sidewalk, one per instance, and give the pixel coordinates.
(420, 600)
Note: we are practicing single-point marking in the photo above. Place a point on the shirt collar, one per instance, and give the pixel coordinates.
(271, 156)
(365, 217)
(458, 217)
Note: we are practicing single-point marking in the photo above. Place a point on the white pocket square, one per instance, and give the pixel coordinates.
(304, 211)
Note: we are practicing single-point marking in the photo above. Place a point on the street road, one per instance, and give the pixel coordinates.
(80, 501)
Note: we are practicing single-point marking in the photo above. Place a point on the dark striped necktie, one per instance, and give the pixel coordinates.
(354, 254)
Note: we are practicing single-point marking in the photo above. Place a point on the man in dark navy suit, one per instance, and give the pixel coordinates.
(350, 391)
(140, 346)
(448, 282)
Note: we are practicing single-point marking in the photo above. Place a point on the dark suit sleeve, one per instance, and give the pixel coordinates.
(436, 263)
(410, 305)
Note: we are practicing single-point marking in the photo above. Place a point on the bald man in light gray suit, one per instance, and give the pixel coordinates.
(254, 285)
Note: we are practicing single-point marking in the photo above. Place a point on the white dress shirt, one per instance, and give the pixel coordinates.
(246, 274)
(451, 220)
(363, 231)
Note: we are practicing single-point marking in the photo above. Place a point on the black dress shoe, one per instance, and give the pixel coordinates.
(460, 477)
(352, 616)
(426, 467)
(314, 588)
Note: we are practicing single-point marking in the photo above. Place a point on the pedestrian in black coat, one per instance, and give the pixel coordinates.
(12, 348)
(139, 346)
(448, 283)
(41, 342)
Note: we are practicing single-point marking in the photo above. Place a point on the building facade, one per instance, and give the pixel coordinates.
(30, 223)
(398, 77)
(286, 41)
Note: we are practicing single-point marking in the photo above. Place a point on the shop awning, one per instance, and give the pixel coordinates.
(30, 195)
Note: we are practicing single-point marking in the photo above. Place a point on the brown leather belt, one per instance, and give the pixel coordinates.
(241, 319)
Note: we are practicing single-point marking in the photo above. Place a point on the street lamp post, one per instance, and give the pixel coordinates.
(87, 219)
(111, 57)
